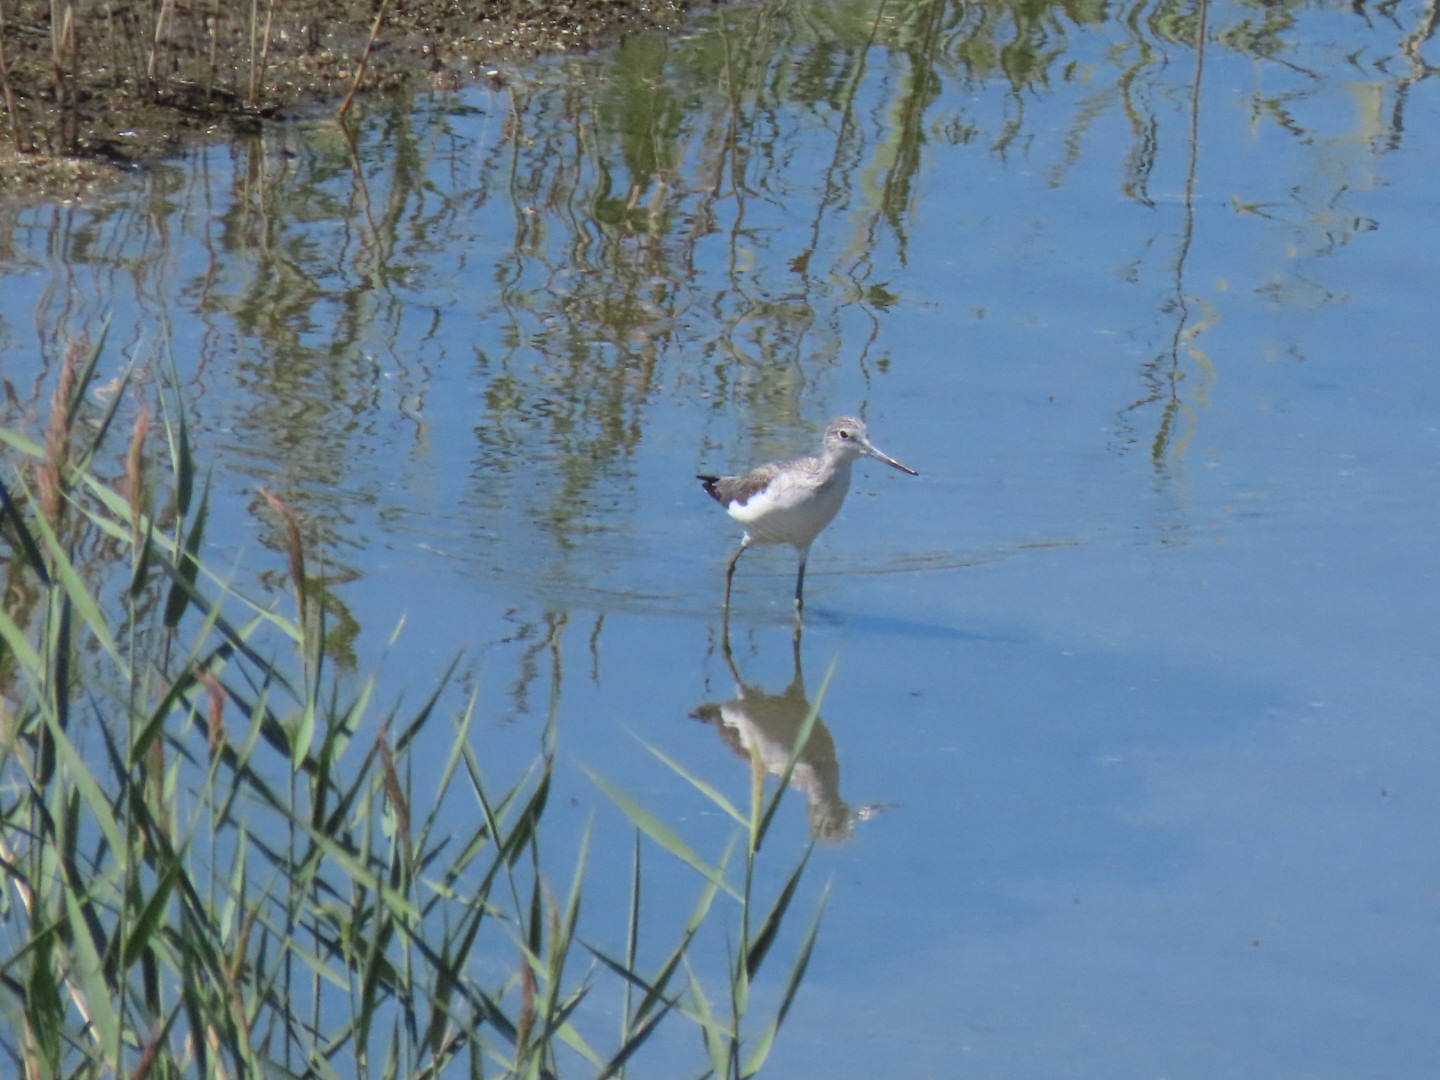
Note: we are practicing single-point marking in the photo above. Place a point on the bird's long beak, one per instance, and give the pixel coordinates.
(888, 460)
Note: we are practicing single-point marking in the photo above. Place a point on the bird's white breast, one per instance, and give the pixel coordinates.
(794, 507)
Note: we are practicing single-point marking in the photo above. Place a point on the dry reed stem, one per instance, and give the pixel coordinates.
(254, 18)
(394, 792)
(213, 19)
(31, 1051)
(365, 57)
(214, 711)
(135, 467)
(22, 887)
(63, 45)
(294, 550)
(160, 20)
(50, 473)
(16, 135)
(147, 1059)
(257, 68)
(526, 1021)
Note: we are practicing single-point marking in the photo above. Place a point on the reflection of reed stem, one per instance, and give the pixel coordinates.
(1195, 118)
(1187, 230)
(1422, 33)
(358, 172)
(1164, 436)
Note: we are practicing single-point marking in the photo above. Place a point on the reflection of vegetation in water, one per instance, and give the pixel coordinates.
(1163, 374)
(702, 216)
(221, 863)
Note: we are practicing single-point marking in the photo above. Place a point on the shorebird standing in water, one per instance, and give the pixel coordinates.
(789, 502)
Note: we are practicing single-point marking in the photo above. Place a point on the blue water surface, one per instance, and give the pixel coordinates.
(1132, 693)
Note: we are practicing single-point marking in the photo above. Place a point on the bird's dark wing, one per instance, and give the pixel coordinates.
(738, 489)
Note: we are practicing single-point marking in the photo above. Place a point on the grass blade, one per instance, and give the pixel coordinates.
(708, 790)
(662, 834)
(187, 565)
(761, 1051)
(761, 942)
(10, 512)
(762, 827)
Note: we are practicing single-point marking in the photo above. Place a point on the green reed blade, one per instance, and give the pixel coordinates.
(86, 374)
(187, 565)
(10, 512)
(632, 1043)
(116, 395)
(762, 828)
(182, 458)
(151, 916)
(140, 573)
(566, 1032)
(44, 1009)
(523, 831)
(662, 834)
(709, 791)
(87, 789)
(765, 938)
(28, 662)
(719, 1039)
(63, 571)
(85, 966)
(761, 1051)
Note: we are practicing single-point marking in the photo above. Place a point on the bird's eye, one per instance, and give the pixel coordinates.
(843, 433)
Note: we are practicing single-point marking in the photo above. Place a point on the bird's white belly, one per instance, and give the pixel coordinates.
(790, 513)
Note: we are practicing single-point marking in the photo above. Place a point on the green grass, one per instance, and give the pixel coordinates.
(217, 862)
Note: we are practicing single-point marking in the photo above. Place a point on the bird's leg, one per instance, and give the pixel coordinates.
(800, 582)
(730, 570)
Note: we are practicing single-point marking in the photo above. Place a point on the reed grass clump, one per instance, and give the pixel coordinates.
(222, 860)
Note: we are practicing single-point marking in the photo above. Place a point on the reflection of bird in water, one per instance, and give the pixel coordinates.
(789, 502)
(769, 725)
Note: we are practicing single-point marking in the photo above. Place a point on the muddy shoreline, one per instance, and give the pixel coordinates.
(111, 87)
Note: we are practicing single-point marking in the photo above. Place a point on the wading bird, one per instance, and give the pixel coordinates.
(789, 502)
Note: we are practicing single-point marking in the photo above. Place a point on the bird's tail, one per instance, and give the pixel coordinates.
(709, 482)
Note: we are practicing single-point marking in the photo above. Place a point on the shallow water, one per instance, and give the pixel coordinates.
(1132, 706)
